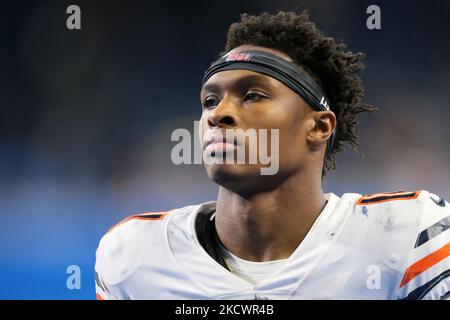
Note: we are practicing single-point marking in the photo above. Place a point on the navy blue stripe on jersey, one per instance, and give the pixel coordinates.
(142, 216)
(440, 202)
(387, 197)
(148, 216)
(433, 231)
(100, 283)
(421, 291)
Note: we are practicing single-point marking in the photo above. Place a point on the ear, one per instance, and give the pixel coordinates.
(324, 125)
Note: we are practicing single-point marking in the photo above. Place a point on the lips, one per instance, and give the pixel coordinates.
(219, 147)
(219, 143)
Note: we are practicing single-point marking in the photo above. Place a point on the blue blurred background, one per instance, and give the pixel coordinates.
(86, 117)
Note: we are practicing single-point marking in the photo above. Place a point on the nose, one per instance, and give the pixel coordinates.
(222, 115)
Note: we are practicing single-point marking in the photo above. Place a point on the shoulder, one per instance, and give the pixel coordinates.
(426, 274)
(421, 221)
(388, 212)
(118, 252)
(124, 246)
(420, 212)
(146, 224)
(422, 205)
(132, 229)
(414, 228)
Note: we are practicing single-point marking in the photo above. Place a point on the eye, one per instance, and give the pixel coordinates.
(254, 96)
(210, 102)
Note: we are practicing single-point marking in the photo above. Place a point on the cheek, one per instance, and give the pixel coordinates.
(284, 115)
(292, 138)
(288, 120)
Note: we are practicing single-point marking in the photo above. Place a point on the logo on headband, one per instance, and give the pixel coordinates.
(237, 56)
(324, 103)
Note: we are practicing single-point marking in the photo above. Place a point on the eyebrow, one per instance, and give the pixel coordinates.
(240, 82)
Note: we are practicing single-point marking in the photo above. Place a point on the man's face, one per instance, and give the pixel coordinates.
(243, 99)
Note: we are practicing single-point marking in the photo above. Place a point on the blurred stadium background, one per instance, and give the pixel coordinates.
(86, 117)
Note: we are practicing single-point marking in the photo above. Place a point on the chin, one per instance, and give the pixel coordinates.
(224, 174)
(244, 180)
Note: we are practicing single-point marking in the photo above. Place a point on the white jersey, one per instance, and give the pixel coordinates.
(381, 246)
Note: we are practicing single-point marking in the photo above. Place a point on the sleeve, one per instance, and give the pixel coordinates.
(102, 290)
(110, 268)
(119, 255)
(427, 272)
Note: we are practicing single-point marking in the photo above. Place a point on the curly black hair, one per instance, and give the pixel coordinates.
(323, 57)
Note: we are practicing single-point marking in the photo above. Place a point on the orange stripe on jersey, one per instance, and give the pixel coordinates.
(142, 216)
(98, 297)
(387, 196)
(425, 263)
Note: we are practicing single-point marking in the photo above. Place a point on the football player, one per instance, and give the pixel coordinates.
(280, 236)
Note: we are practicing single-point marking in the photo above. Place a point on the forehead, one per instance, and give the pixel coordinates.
(241, 77)
(235, 79)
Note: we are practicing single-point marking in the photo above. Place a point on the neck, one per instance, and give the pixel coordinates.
(269, 225)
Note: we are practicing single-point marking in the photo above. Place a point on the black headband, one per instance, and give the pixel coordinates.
(284, 71)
